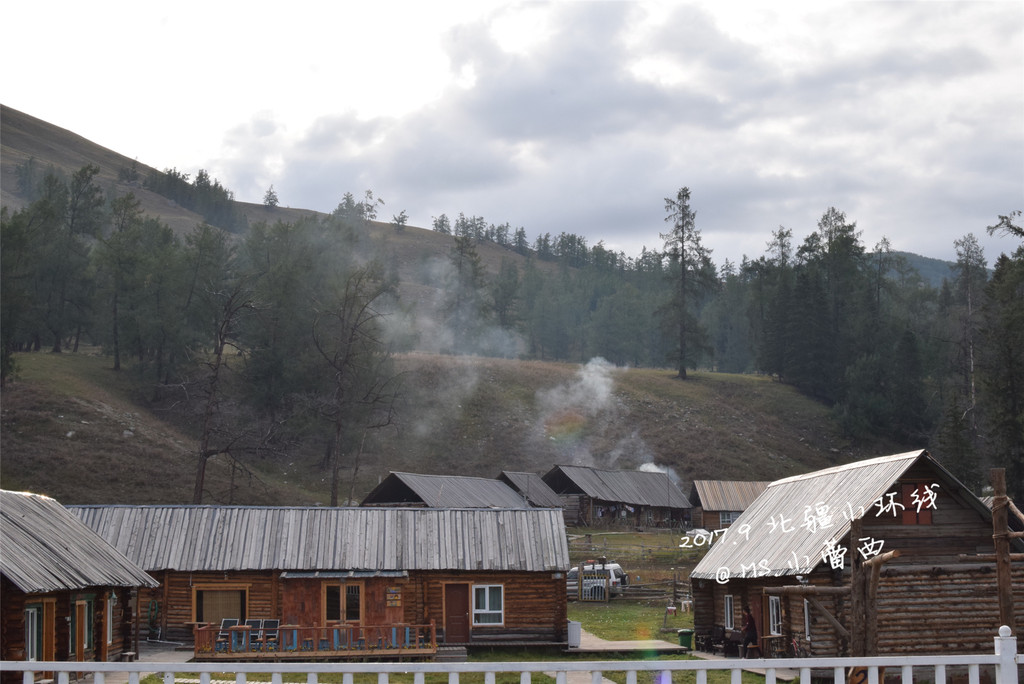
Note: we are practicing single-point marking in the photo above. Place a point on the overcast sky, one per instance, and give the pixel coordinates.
(568, 116)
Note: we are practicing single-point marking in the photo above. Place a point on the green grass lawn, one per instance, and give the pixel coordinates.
(629, 621)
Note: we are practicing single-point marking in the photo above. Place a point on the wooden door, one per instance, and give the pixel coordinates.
(456, 613)
(81, 626)
(49, 644)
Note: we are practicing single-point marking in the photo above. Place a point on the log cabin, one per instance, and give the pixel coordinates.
(718, 503)
(65, 594)
(442, 491)
(460, 576)
(790, 558)
(593, 497)
(531, 487)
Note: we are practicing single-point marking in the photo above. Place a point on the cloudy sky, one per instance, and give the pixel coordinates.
(566, 116)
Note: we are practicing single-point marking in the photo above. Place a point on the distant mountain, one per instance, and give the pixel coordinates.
(933, 271)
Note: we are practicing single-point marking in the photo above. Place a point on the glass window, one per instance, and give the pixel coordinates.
(807, 619)
(729, 624)
(33, 633)
(110, 617)
(775, 615)
(213, 605)
(353, 602)
(727, 518)
(343, 602)
(488, 608)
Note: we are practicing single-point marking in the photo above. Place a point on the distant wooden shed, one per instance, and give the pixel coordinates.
(601, 498)
(718, 503)
(442, 491)
(481, 575)
(531, 487)
(788, 557)
(65, 594)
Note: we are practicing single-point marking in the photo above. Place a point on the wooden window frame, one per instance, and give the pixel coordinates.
(728, 609)
(343, 608)
(221, 586)
(911, 516)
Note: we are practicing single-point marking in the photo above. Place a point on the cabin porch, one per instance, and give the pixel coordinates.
(312, 643)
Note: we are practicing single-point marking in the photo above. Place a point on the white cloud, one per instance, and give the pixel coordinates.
(562, 116)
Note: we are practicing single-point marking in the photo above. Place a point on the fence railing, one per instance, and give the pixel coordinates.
(1001, 666)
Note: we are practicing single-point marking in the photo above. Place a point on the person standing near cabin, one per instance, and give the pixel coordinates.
(749, 630)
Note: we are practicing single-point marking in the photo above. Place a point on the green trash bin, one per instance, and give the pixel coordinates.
(686, 638)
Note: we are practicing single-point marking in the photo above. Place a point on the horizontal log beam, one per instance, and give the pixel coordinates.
(989, 557)
(882, 558)
(806, 590)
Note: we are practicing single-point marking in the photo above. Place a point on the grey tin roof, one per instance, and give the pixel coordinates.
(443, 491)
(725, 495)
(756, 536)
(196, 538)
(531, 486)
(44, 547)
(636, 487)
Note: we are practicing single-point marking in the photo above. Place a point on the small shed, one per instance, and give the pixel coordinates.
(602, 498)
(789, 556)
(718, 503)
(442, 491)
(478, 575)
(531, 487)
(65, 593)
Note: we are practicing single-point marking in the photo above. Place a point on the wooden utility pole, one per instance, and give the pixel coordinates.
(1001, 536)
(871, 602)
(858, 595)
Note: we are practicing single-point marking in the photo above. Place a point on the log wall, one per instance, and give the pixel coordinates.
(12, 624)
(535, 603)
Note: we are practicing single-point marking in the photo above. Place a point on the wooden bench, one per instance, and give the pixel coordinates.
(128, 656)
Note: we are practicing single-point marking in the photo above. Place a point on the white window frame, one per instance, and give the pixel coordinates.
(728, 606)
(32, 642)
(775, 615)
(727, 518)
(110, 617)
(484, 610)
(807, 620)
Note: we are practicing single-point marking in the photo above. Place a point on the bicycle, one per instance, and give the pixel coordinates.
(796, 648)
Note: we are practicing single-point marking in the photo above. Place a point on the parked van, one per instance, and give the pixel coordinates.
(597, 576)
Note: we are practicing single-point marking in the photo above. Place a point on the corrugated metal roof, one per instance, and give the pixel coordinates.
(47, 548)
(726, 495)
(531, 486)
(636, 487)
(444, 491)
(220, 538)
(757, 538)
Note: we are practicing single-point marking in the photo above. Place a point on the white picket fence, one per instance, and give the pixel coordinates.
(1002, 665)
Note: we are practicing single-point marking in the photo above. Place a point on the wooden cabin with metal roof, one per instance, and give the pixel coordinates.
(718, 503)
(443, 491)
(338, 582)
(593, 497)
(789, 557)
(531, 487)
(65, 594)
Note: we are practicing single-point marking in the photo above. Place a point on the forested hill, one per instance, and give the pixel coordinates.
(267, 332)
(74, 429)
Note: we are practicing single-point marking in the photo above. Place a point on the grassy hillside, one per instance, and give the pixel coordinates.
(72, 428)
